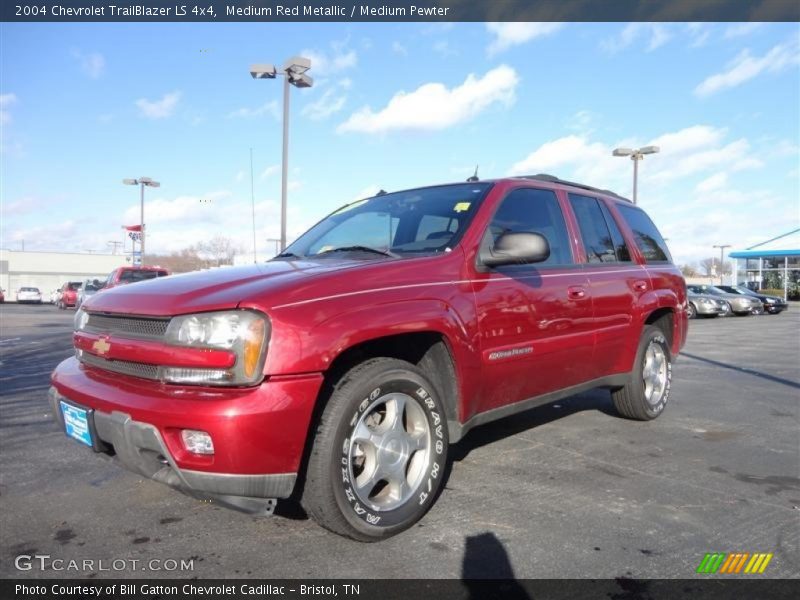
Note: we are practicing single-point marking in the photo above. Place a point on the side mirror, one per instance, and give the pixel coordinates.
(517, 249)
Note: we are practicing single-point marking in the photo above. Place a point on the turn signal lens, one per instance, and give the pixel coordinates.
(253, 343)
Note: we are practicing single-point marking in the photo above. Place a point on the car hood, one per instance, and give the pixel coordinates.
(216, 289)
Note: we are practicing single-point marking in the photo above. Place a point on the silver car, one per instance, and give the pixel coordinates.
(740, 305)
(89, 288)
(706, 305)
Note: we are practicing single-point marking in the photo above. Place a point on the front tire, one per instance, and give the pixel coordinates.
(379, 453)
(645, 396)
(691, 311)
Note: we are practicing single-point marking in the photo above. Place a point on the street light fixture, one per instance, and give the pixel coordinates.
(294, 73)
(142, 182)
(636, 155)
(721, 259)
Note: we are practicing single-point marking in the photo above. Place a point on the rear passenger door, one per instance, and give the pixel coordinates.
(615, 281)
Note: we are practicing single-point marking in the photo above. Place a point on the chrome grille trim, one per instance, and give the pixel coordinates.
(124, 367)
(125, 326)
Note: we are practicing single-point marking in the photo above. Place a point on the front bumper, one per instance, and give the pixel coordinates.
(708, 309)
(259, 433)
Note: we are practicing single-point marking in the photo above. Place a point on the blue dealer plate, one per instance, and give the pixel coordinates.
(76, 423)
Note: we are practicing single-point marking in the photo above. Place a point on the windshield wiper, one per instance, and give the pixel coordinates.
(360, 249)
(287, 255)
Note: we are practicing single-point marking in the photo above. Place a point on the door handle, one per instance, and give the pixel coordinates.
(640, 286)
(576, 292)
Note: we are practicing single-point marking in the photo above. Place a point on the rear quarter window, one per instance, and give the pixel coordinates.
(650, 242)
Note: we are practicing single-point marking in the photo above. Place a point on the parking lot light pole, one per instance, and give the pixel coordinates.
(721, 260)
(141, 182)
(636, 155)
(294, 73)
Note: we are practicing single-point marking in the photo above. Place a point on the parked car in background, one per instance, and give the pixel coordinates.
(89, 288)
(69, 294)
(125, 275)
(2, 296)
(29, 295)
(770, 304)
(740, 304)
(706, 305)
(54, 295)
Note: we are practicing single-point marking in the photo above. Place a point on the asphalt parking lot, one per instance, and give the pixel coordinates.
(567, 490)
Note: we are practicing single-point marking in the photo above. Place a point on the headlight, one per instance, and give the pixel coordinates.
(244, 332)
(81, 319)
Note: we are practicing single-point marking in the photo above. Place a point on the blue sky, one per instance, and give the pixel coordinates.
(393, 106)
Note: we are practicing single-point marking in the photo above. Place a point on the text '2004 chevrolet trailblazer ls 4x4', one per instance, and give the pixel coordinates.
(340, 372)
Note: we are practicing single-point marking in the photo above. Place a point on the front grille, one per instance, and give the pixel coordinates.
(140, 327)
(124, 367)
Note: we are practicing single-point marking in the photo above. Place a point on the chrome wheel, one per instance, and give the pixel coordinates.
(654, 373)
(389, 450)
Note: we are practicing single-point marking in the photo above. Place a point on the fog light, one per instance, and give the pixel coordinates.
(196, 376)
(197, 442)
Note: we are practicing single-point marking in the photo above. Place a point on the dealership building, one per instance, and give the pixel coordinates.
(50, 270)
(772, 264)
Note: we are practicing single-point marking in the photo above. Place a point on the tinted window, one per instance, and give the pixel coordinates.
(132, 275)
(620, 247)
(601, 243)
(649, 240)
(533, 211)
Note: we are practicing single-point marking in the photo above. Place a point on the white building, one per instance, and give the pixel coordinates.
(50, 270)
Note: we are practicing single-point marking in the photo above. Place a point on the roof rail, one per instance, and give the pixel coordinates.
(583, 186)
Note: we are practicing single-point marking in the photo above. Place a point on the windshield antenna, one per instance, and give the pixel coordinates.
(474, 177)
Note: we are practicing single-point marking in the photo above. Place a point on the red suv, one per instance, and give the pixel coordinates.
(340, 372)
(68, 294)
(125, 275)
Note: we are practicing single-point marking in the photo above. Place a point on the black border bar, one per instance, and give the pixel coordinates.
(621, 588)
(398, 10)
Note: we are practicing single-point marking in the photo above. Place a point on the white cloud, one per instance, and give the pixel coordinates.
(699, 32)
(398, 48)
(239, 177)
(270, 171)
(657, 35)
(507, 35)
(693, 151)
(159, 109)
(367, 192)
(268, 108)
(92, 64)
(745, 67)
(6, 100)
(444, 49)
(329, 103)
(741, 29)
(180, 210)
(433, 106)
(714, 182)
(338, 59)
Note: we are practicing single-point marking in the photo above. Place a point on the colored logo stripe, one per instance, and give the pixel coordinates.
(734, 562)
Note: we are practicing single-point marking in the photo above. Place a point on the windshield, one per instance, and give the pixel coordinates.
(420, 221)
(740, 289)
(133, 275)
(29, 289)
(707, 289)
(75, 286)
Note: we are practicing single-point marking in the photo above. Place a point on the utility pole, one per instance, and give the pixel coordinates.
(721, 259)
(277, 244)
(114, 246)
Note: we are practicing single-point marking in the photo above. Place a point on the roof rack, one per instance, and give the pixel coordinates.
(583, 186)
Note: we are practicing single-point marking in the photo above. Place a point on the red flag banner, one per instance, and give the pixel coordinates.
(132, 227)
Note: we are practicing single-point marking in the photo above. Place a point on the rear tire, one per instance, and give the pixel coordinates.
(645, 396)
(379, 453)
(691, 311)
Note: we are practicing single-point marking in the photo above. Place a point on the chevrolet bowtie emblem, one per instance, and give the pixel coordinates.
(101, 346)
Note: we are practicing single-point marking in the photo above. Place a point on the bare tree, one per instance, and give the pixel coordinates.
(712, 267)
(689, 271)
(219, 250)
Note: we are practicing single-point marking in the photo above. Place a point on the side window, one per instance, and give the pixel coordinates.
(601, 236)
(649, 240)
(534, 211)
(623, 254)
(594, 232)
